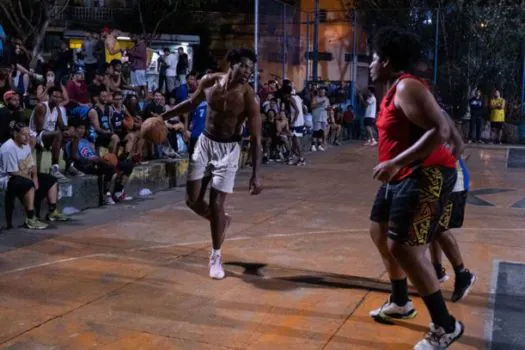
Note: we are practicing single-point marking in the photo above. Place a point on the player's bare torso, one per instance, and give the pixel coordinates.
(227, 109)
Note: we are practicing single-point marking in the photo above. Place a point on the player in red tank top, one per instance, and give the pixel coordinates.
(418, 175)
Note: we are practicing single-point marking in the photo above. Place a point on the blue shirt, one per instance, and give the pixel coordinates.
(198, 120)
(85, 150)
(181, 93)
(2, 38)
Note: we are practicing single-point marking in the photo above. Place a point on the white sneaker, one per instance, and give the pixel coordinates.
(392, 310)
(216, 270)
(313, 149)
(122, 196)
(320, 148)
(108, 199)
(437, 338)
(55, 172)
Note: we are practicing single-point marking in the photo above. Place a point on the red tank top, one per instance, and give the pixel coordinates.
(397, 133)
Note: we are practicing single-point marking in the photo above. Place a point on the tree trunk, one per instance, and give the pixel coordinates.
(37, 42)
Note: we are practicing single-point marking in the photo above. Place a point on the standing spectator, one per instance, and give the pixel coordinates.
(171, 71)
(138, 60)
(497, 117)
(183, 66)
(320, 105)
(19, 178)
(477, 111)
(88, 47)
(336, 125)
(63, 63)
(100, 52)
(112, 46)
(162, 67)
(370, 115)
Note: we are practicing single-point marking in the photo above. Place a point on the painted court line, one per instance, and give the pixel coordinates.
(489, 323)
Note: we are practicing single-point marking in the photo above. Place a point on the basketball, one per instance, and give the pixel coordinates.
(111, 159)
(154, 130)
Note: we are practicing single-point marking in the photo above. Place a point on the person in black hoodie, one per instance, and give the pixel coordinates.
(477, 113)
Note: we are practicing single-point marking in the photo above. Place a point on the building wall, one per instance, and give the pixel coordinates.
(336, 37)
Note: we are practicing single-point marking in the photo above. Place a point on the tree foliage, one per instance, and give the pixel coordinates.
(480, 42)
(28, 20)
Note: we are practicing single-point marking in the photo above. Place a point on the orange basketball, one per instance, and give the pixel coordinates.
(111, 159)
(154, 130)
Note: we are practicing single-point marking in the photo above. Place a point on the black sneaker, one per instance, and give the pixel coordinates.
(441, 273)
(464, 282)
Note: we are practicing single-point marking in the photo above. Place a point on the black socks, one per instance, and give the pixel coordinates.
(459, 269)
(399, 292)
(438, 311)
(30, 214)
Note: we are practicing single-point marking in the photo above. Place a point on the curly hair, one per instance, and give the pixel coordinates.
(402, 48)
(235, 56)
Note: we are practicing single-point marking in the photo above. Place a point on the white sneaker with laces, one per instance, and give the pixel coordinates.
(437, 338)
(122, 196)
(392, 310)
(314, 149)
(320, 148)
(216, 270)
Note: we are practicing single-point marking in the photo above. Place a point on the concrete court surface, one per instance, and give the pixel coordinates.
(302, 272)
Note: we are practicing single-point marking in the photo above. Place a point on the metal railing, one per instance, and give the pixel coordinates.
(97, 14)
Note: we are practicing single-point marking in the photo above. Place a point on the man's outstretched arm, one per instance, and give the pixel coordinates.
(194, 100)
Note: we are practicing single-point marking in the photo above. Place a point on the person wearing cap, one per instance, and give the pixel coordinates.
(19, 178)
(10, 112)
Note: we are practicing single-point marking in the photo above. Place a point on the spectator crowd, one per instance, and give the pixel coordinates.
(85, 107)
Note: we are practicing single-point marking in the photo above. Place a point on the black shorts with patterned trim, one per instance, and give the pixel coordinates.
(416, 206)
(455, 210)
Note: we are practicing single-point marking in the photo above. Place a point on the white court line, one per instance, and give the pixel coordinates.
(245, 238)
(240, 238)
(489, 322)
(59, 261)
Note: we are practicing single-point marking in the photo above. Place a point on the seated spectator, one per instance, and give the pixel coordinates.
(100, 131)
(77, 90)
(97, 84)
(348, 122)
(82, 152)
(155, 106)
(46, 121)
(335, 119)
(9, 113)
(5, 85)
(175, 137)
(283, 134)
(19, 178)
(128, 137)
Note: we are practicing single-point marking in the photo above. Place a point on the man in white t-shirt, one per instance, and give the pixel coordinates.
(320, 105)
(370, 115)
(19, 178)
(296, 123)
(171, 72)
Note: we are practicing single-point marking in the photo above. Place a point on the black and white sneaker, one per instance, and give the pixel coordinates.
(437, 338)
(441, 273)
(391, 310)
(463, 284)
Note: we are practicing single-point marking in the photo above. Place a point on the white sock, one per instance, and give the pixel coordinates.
(215, 252)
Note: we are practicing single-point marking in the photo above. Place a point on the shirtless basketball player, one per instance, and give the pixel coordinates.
(215, 158)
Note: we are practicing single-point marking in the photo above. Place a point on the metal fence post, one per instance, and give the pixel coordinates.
(307, 56)
(285, 39)
(256, 43)
(436, 48)
(315, 52)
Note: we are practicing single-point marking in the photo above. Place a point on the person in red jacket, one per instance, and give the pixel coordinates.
(418, 174)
